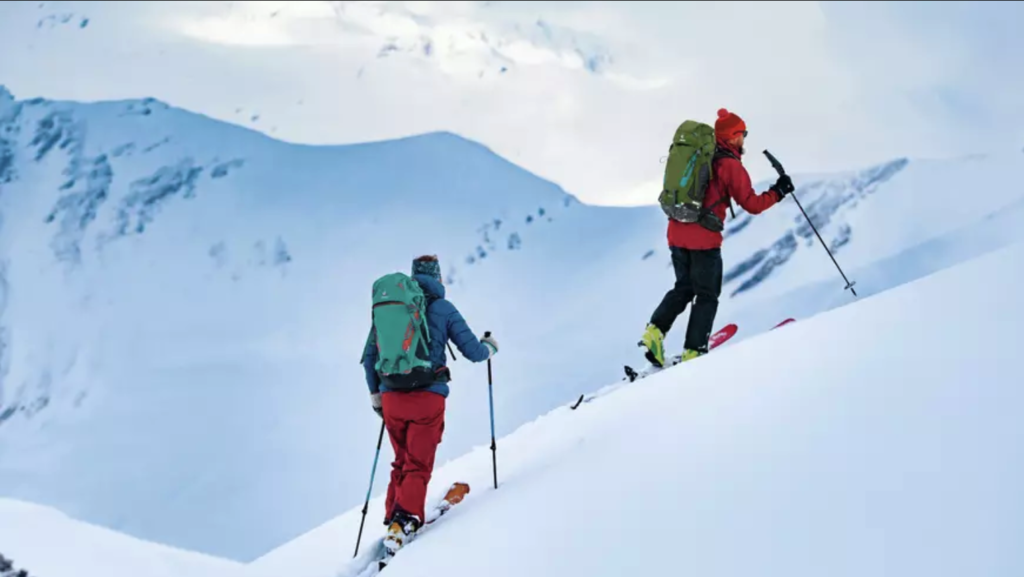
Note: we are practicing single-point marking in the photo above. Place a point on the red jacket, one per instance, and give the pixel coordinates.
(732, 178)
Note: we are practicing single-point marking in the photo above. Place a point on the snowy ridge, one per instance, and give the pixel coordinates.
(829, 202)
(183, 301)
(50, 543)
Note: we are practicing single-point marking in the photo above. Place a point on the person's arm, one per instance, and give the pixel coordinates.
(369, 360)
(463, 337)
(737, 182)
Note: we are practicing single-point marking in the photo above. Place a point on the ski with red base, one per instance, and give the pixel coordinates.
(716, 340)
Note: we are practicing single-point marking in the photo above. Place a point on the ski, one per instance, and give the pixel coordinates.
(632, 375)
(716, 340)
(455, 494)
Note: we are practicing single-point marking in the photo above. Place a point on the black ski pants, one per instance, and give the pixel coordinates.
(698, 274)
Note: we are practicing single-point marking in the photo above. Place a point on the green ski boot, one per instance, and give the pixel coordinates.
(653, 342)
(689, 354)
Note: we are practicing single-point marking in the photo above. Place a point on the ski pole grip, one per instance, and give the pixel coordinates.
(775, 163)
(487, 334)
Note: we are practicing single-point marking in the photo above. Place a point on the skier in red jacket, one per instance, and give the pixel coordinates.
(696, 250)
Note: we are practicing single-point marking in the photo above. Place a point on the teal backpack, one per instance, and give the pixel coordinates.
(403, 338)
(688, 171)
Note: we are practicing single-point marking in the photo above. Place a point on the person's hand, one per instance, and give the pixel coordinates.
(491, 344)
(783, 186)
(376, 404)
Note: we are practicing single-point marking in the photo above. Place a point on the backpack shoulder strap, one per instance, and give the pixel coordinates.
(724, 153)
(429, 298)
(719, 154)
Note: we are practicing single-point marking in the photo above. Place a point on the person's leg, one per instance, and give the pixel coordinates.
(675, 300)
(672, 305)
(425, 414)
(396, 428)
(706, 276)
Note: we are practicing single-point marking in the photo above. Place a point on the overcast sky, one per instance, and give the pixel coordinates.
(587, 94)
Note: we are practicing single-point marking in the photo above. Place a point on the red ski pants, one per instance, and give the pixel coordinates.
(415, 423)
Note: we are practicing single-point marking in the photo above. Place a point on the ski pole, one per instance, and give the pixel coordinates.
(452, 351)
(490, 396)
(373, 472)
(778, 168)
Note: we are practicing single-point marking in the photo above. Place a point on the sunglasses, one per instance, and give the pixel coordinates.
(744, 133)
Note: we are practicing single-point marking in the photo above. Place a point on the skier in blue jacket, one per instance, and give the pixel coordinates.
(415, 419)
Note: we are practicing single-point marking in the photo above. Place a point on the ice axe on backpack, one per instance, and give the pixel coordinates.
(782, 172)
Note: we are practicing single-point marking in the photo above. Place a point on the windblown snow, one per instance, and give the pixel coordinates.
(183, 302)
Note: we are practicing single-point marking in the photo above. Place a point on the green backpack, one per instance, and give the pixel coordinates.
(688, 171)
(403, 338)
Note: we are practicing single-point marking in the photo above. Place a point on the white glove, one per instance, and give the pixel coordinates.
(376, 404)
(491, 344)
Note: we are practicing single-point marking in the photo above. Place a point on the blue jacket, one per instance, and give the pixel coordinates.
(445, 322)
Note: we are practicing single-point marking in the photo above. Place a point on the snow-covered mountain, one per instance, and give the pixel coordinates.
(184, 300)
(185, 303)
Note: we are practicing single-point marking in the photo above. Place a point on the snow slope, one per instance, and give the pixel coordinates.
(183, 300)
(47, 543)
(828, 446)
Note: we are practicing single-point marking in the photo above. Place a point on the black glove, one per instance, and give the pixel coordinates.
(783, 186)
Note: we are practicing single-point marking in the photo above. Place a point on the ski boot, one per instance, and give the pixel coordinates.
(402, 529)
(690, 354)
(653, 342)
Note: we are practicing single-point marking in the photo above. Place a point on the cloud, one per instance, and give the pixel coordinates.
(264, 23)
(587, 94)
(469, 38)
(945, 71)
